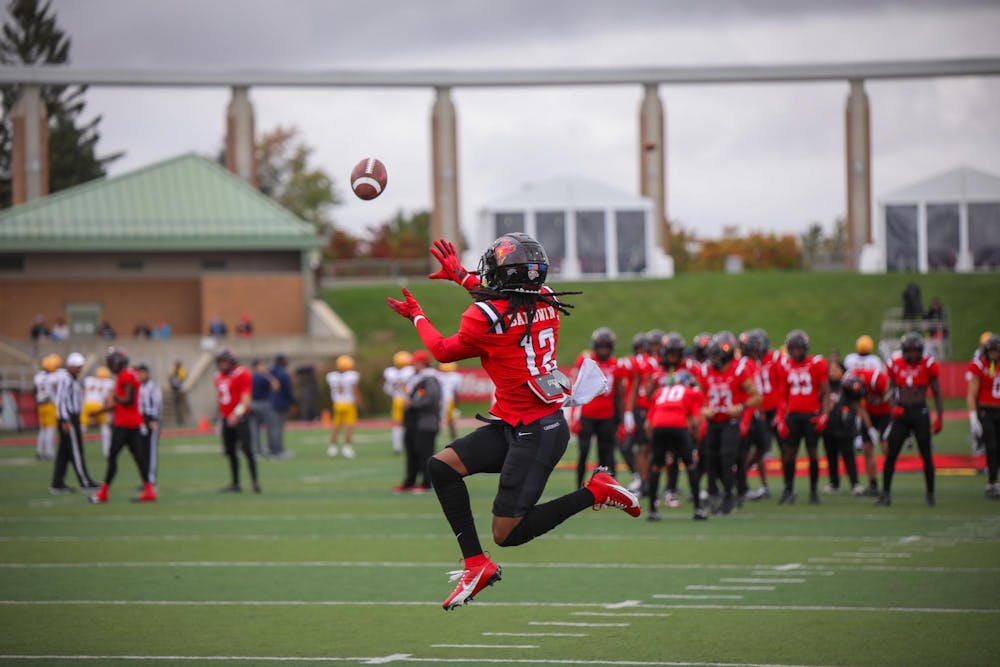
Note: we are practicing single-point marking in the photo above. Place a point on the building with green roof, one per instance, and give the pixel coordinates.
(180, 241)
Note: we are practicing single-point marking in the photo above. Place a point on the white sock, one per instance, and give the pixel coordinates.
(105, 440)
(50, 443)
(40, 445)
(397, 439)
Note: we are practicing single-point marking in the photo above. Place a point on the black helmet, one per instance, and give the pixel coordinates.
(853, 388)
(672, 343)
(515, 262)
(992, 344)
(797, 339)
(602, 336)
(722, 348)
(913, 343)
(225, 354)
(654, 338)
(750, 344)
(639, 343)
(700, 344)
(116, 359)
(765, 341)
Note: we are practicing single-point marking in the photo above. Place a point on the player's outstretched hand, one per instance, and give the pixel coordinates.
(451, 268)
(408, 307)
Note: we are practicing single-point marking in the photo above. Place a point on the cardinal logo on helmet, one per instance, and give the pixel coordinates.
(504, 248)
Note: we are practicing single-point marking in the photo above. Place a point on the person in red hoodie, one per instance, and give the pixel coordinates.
(125, 429)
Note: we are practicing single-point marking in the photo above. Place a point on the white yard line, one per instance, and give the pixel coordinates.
(616, 614)
(484, 646)
(681, 596)
(762, 580)
(572, 624)
(535, 634)
(700, 587)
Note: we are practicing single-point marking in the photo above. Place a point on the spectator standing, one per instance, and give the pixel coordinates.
(69, 405)
(263, 384)
(151, 408)
(38, 329)
(421, 422)
(177, 376)
(163, 330)
(244, 328)
(60, 330)
(106, 331)
(217, 327)
(281, 402)
(142, 330)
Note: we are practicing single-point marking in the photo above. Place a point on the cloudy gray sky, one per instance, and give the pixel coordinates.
(764, 157)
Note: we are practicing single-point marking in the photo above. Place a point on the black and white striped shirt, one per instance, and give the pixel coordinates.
(69, 395)
(150, 400)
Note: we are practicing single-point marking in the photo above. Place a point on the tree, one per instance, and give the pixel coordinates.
(402, 237)
(30, 36)
(285, 175)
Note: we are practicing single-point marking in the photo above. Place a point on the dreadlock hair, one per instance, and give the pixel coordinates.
(521, 299)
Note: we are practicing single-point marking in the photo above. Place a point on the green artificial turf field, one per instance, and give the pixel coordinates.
(328, 566)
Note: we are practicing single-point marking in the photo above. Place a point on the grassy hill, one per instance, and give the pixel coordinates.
(833, 308)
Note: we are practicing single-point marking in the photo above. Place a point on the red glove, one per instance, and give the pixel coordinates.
(936, 425)
(782, 429)
(408, 307)
(620, 433)
(745, 423)
(451, 268)
(897, 412)
(702, 430)
(819, 422)
(574, 426)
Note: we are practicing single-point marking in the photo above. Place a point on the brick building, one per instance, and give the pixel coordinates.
(180, 241)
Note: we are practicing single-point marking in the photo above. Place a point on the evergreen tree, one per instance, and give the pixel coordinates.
(30, 36)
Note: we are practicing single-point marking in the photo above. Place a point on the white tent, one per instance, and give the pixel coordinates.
(587, 229)
(948, 222)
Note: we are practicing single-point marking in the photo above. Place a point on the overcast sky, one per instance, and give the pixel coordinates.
(764, 157)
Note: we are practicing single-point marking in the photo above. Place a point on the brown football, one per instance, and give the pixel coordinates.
(368, 178)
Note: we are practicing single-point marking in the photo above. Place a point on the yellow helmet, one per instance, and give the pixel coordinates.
(864, 344)
(52, 362)
(448, 367)
(985, 336)
(345, 362)
(401, 359)
(103, 372)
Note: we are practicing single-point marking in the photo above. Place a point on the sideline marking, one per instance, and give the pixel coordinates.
(535, 634)
(581, 625)
(681, 596)
(484, 646)
(699, 587)
(401, 657)
(761, 581)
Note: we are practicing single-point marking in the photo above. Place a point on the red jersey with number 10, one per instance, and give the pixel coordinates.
(672, 406)
(989, 381)
(231, 386)
(508, 357)
(802, 382)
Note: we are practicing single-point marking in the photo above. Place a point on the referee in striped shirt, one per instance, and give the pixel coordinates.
(150, 407)
(69, 404)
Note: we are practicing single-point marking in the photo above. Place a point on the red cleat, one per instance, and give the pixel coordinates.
(148, 494)
(609, 493)
(101, 496)
(470, 581)
(401, 488)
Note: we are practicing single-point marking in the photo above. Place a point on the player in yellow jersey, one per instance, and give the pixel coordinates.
(45, 400)
(345, 397)
(394, 385)
(450, 379)
(96, 390)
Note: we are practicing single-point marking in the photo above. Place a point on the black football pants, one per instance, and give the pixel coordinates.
(70, 450)
(916, 420)
(604, 430)
(800, 426)
(122, 437)
(722, 443)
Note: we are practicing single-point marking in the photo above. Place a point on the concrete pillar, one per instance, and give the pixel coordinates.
(652, 152)
(571, 265)
(611, 242)
(240, 158)
(859, 179)
(922, 264)
(965, 263)
(29, 147)
(444, 154)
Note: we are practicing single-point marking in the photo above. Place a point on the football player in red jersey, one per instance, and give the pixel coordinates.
(878, 405)
(771, 380)
(635, 446)
(983, 401)
(912, 374)
(513, 328)
(233, 384)
(672, 421)
(730, 390)
(672, 362)
(754, 439)
(600, 417)
(805, 410)
(126, 422)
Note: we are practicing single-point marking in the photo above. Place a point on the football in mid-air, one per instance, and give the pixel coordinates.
(368, 178)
